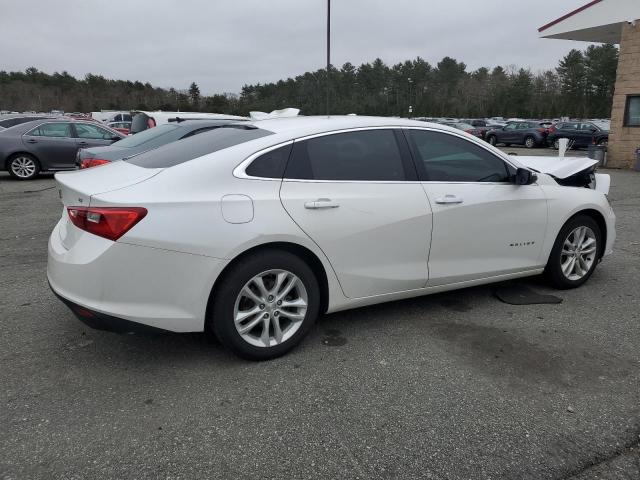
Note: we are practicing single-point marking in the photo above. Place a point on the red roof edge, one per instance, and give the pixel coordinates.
(570, 14)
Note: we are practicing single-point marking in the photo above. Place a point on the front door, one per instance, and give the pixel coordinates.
(90, 135)
(356, 196)
(509, 133)
(483, 224)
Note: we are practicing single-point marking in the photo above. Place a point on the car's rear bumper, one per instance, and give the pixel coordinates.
(102, 321)
(120, 284)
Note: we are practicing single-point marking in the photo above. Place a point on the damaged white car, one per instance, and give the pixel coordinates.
(251, 231)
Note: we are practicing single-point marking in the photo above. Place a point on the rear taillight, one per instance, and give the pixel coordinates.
(470, 130)
(541, 130)
(551, 129)
(106, 222)
(93, 162)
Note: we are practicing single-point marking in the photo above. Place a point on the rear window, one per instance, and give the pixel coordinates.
(197, 146)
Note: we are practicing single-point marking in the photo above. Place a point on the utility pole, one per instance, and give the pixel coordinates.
(328, 49)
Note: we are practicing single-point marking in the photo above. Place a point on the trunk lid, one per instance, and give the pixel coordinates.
(76, 189)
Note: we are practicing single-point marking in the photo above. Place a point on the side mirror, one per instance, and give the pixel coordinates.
(525, 177)
(115, 139)
(593, 130)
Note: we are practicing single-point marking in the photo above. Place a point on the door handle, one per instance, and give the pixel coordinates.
(321, 203)
(31, 140)
(448, 199)
(83, 143)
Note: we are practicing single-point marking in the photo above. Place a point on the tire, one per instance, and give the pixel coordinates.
(492, 140)
(577, 273)
(603, 142)
(529, 142)
(230, 301)
(23, 166)
(556, 144)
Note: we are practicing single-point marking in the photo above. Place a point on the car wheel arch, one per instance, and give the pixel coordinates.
(598, 217)
(17, 154)
(300, 251)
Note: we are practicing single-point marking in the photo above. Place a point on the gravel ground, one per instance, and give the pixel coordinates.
(455, 385)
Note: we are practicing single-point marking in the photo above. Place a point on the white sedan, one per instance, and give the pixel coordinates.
(252, 230)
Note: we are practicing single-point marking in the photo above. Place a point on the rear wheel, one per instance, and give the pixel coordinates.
(529, 142)
(23, 166)
(265, 305)
(492, 140)
(603, 142)
(575, 253)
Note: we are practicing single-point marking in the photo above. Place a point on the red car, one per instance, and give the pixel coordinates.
(122, 127)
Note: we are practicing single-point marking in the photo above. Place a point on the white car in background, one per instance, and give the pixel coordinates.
(254, 229)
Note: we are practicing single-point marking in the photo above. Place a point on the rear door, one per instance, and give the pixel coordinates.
(586, 132)
(53, 145)
(356, 195)
(483, 224)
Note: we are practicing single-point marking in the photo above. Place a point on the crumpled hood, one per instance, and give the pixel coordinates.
(556, 166)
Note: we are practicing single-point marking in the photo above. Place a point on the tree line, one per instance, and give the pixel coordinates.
(580, 86)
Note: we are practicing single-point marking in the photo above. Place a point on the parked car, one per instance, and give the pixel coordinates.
(252, 230)
(530, 134)
(122, 127)
(144, 120)
(465, 127)
(145, 141)
(49, 145)
(581, 134)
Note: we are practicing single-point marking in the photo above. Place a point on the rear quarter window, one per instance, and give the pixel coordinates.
(193, 147)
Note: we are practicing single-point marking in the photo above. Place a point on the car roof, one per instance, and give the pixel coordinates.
(159, 114)
(203, 122)
(300, 126)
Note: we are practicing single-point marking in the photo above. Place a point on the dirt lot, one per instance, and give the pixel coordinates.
(455, 385)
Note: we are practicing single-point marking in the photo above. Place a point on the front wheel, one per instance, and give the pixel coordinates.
(492, 140)
(603, 142)
(23, 167)
(265, 305)
(575, 253)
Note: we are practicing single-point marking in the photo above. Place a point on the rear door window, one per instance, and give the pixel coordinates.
(270, 164)
(197, 146)
(368, 155)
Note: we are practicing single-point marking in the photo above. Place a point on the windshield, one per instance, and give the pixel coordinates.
(197, 146)
(464, 126)
(147, 136)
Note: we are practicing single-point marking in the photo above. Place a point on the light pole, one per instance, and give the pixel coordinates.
(328, 49)
(410, 106)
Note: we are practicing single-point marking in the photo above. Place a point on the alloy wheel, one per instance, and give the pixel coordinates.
(270, 308)
(23, 167)
(578, 253)
(529, 143)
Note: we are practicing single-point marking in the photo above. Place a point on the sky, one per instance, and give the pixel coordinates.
(223, 44)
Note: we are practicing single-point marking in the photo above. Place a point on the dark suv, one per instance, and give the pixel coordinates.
(530, 134)
(582, 134)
